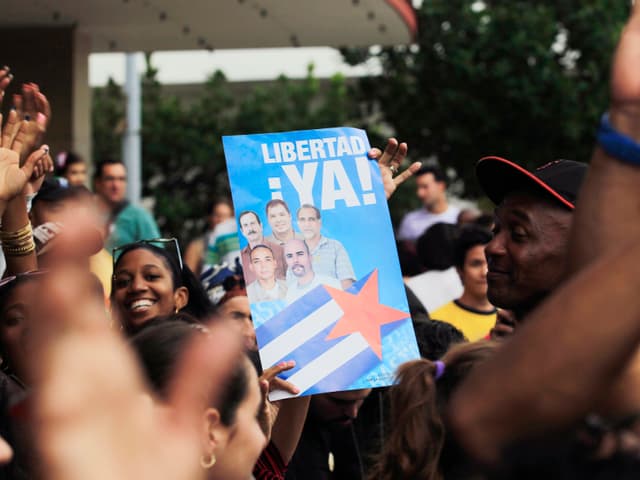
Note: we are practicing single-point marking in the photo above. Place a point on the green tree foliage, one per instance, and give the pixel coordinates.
(183, 159)
(522, 79)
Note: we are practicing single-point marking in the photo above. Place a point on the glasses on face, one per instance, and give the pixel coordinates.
(170, 244)
(9, 280)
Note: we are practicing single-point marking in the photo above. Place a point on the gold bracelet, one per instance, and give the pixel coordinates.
(19, 252)
(18, 246)
(18, 234)
(17, 241)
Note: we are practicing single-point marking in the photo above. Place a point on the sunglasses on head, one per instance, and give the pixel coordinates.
(9, 280)
(162, 243)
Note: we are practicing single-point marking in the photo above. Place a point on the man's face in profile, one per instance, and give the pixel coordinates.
(526, 257)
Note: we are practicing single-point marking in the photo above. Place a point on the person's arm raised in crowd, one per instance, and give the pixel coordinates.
(21, 132)
(286, 417)
(94, 413)
(564, 359)
(390, 162)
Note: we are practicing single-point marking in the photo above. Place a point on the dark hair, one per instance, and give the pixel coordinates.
(260, 246)
(308, 205)
(410, 264)
(469, 237)
(199, 305)
(485, 220)
(276, 201)
(159, 348)
(99, 170)
(435, 246)
(435, 338)
(218, 201)
(435, 170)
(246, 212)
(415, 447)
(64, 160)
(52, 191)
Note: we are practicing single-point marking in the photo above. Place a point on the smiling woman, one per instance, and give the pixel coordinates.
(150, 282)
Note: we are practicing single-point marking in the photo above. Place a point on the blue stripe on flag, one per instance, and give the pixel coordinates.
(292, 315)
(347, 374)
(306, 352)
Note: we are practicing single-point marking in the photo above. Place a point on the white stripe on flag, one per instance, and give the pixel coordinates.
(298, 334)
(324, 365)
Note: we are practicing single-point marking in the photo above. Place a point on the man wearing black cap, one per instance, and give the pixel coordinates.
(528, 254)
(569, 359)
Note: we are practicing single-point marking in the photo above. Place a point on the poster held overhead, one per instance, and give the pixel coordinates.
(319, 258)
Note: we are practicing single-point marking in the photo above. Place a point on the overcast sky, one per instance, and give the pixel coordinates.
(194, 66)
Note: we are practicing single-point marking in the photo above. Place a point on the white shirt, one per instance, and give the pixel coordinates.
(436, 287)
(417, 222)
(295, 291)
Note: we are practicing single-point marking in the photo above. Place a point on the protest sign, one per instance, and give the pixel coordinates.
(319, 258)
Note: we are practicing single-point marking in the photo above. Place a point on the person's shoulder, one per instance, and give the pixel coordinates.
(444, 309)
(253, 289)
(452, 211)
(275, 245)
(136, 213)
(328, 280)
(330, 241)
(418, 212)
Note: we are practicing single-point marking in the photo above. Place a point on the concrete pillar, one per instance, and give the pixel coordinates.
(131, 142)
(81, 97)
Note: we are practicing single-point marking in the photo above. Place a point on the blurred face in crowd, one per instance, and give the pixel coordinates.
(238, 311)
(474, 272)
(112, 184)
(221, 212)
(143, 288)
(429, 191)
(296, 254)
(76, 174)
(279, 220)
(309, 223)
(16, 315)
(526, 258)
(263, 264)
(251, 228)
(237, 446)
(338, 408)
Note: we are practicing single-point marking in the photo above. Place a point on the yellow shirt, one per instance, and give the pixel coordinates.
(474, 324)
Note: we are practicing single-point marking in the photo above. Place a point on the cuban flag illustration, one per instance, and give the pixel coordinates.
(340, 340)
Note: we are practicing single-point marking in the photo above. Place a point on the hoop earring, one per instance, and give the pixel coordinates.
(207, 463)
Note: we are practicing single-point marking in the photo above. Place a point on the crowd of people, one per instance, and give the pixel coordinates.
(122, 359)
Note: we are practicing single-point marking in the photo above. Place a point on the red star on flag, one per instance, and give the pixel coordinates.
(363, 313)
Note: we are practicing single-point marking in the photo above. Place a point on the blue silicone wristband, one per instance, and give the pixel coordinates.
(616, 144)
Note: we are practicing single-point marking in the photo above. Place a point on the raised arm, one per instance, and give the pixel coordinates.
(20, 135)
(575, 353)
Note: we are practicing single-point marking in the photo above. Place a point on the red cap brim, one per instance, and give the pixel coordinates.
(498, 177)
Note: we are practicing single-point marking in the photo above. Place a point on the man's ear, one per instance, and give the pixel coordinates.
(181, 297)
